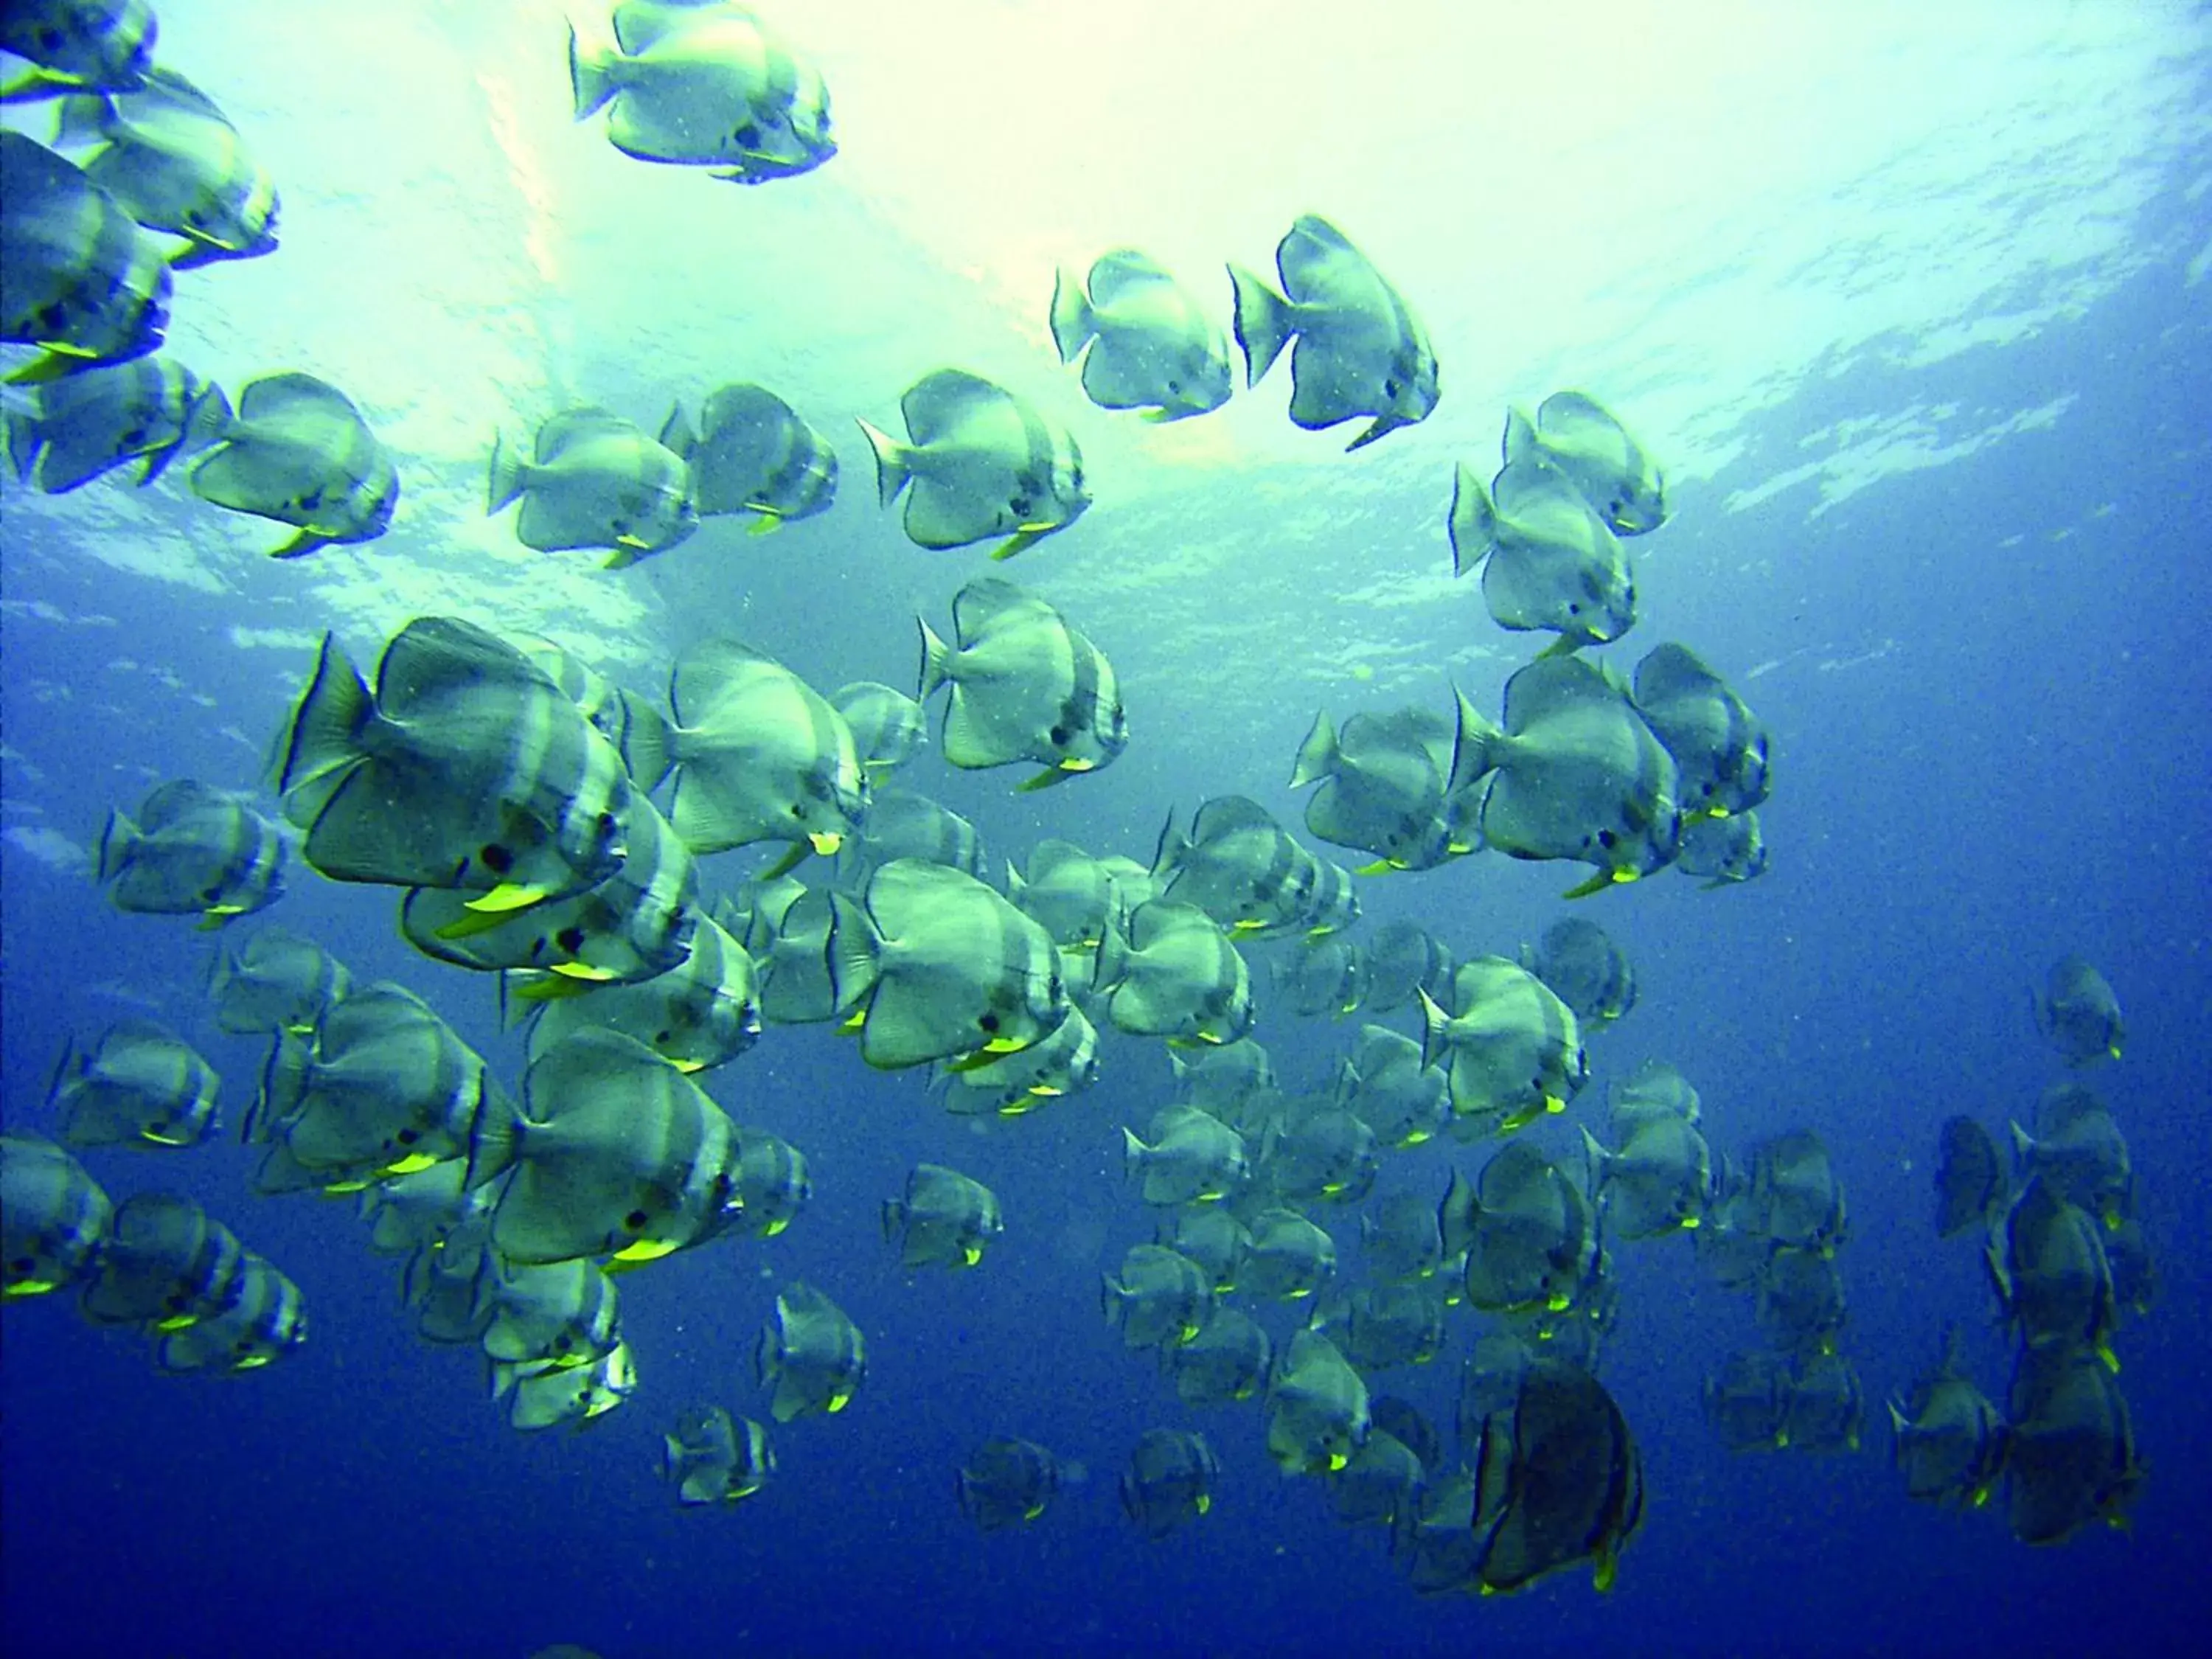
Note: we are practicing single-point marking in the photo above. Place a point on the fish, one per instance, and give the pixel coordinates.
(166, 1264)
(1720, 747)
(2070, 1451)
(299, 453)
(1317, 1410)
(1176, 975)
(448, 1280)
(1321, 1153)
(1549, 564)
(383, 1086)
(1558, 1480)
(1379, 1327)
(266, 1322)
(1226, 1362)
(1511, 1049)
(702, 1013)
(1360, 350)
(1192, 1157)
(1385, 1084)
(753, 453)
(615, 1152)
(409, 1212)
(192, 850)
(945, 1219)
(1585, 969)
(1210, 1234)
(1219, 1078)
(594, 479)
(275, 981)
(1322, 976)
(560, 1314)
(1794, 1197)
(703, 84)
(788, 936)
(2078, 1014)
(1970, 1177)
(1948, 1441)
(887, 725)
(81, 281)
(1063, 1062)
(141, 1084)
(772, 1185)
(1578, 774)
(1800, 1301)
(1401, 1241)
(810, 1354)
(1747, 1401)
(1381, 1486)
(1579, 439)
(1151, 346)
(756, 755)
(1067, 891)
(546, 1396)
(1402, 957)
(171, 159)
(1289, 1259)
(1531, 1234)
(2135, 1274)
(2053, 1283)
(1656, 1089)
(1655, 1181)
(1249, 874)
(1390, 784)
(1723, 852)
(981, 463)
(104, 45)
(1169, 1481)
(1008, 1483)
(149, 409)
(932, 964)
(613, 710)
(901, 825)
(710, 1459)
(1025, 686)
(1161, 1300)
(1825, 1407)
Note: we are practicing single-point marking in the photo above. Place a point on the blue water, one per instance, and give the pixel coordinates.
(1988, 694)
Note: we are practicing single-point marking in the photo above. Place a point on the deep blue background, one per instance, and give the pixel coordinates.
(2020, 771)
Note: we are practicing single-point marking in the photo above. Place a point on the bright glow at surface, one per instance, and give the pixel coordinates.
(1689, 209)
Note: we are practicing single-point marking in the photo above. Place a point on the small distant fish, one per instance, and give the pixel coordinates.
(1026, 686)
(1390, 784)
(1210, 1234)
(1747, 1402)
(1723, 852)
(167, 1264)
(594, 480)
(1587, 970)
(1170, 1480)
(2077, 1012)
(1970, 1176)
(700, 1013)
(94, 46)
(267, 1321)
(1289, 1259)
(1192, 1157)
(1950, 1440)
(1512, 1050)
(53, 1218)
(1719, 746)
(1249, 874)
(1402, 957)
(1360, 349)
(1576, 436)
(703, 84)
(1008, 1483)
(945, 1219)
(1657, 1180)
(1530, 1233)
(1548, 561)
(191, 851)
(1317, 1409)
(140, 1084)
(563, 1313)
(1163, 1299)
(1175, 975)
(1067, 891)
(1799, 1302)
(1319, 1152)
(546, 1395)
(981, 463)
(1557, 1480)
(1151, 348)
(300, 454)
(752, 453)
(810, 1354)
(176, 165)
(1794, 1196)
(901, 825)
(78, 278)
(888, 725)
(149, 410)
(2070, 1452)
(711, 1458)
(1226, 1362)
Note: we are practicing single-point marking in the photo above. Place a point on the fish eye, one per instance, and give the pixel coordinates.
(989, 1022)
(634, 1222)
(1607, 838)
(1058, 735)
(570, 939)
(748, 136)
(408, 1137)
(496, 859)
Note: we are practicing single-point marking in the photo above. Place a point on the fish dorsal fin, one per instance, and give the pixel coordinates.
(989, 604)
(1312, 249)
(714, 670)
(293, 396)
(1554, 685)
(574, 426)
(1576, 417)
(1669, 670)
(1122, 272)
(1520, 439)
(937, 404)
(438, 657)
(742, 405)
(640, 23)
(1227, 813)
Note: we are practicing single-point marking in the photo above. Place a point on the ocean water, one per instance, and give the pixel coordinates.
(1913, 302)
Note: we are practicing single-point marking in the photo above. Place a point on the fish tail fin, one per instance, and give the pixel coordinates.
(676, 435)
(1472, 523)
(2023, 1146)
(1168, 849)
(1595, 1159)
(936, 662)
(117, 837)
(19, 433)
(647, 748)
(1110, 1298)
(894, 1219)
(283, 1088)
(1519, 437)
(503, 481)
(1476, 744)
(893, 470)
(1317, 755)
(1073, 322)
(1110, 964)
(591, 71)
(326, 730)
(851, 950)
(1133, 1152)
(1433, 1020)
(79, 119)
(495, 1138)
(1265, 324)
